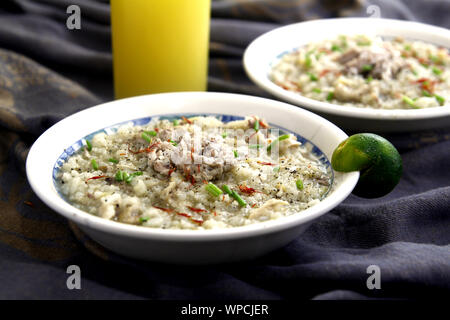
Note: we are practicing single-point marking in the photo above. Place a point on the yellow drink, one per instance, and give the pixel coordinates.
(159, 45)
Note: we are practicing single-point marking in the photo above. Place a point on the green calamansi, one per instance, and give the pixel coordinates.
(378, 161)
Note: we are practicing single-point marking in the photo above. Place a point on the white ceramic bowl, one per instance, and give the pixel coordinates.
(185, 246)
(269, 47)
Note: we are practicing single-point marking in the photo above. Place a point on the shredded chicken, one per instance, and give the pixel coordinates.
(207, 160)
(270, 206)
(380, 64)
(348, 56)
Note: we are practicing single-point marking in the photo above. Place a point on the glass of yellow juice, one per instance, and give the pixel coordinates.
(159, 45)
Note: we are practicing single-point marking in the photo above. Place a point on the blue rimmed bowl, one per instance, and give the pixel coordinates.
(185, 246)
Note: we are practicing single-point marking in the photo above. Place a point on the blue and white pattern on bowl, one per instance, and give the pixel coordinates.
(322, 158)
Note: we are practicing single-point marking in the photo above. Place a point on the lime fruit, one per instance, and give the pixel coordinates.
(378, 161)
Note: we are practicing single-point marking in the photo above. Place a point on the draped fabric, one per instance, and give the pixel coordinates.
(48, 72)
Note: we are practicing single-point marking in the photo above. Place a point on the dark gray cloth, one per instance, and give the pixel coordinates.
(48, 72)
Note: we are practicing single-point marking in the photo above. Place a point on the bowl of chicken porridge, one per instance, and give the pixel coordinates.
(376, 75)
(190, 178)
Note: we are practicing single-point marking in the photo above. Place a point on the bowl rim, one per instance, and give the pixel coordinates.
(254, 68)
(51, 198)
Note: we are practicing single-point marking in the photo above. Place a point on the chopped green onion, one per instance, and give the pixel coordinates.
(426, 93)
(316, 90)
(335, 47)
(146, 137)
(143, 219)
(94, 164)
(255, 146)
(319, 55)
(130, 177)
(213, 189)
(308, 61)
(363, 43)
(176, 122)
(120, 175)
(113, 160)
(123, 176)
(410, 102)
(407, 47)
(312, 77)
(88, 145)
(174, 143)
(256, 127)
(276, 169)
(414, 72)
(440, 99)
(437, 71)
(330, 96)
(367, 67)
(435, 59)
(299, 184)
(280, 138)
(369, 79)
(236, 197)
(235, 153)
(151, 133)
(226, 189)
(224, 135)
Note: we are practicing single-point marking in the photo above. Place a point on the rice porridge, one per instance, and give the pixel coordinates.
(193, 173)
(368, 72)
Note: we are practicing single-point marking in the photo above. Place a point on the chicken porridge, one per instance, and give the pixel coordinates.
(194, 173)
(368, 72)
